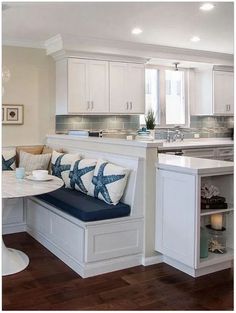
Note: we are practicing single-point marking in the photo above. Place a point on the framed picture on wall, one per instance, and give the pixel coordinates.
(12, 114)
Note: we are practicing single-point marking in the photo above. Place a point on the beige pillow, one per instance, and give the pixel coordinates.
(34, 161)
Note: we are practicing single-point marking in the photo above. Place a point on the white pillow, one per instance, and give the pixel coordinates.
(81, 174)
(8, 159)
(61, 164)
(33, 162)
(109, 181)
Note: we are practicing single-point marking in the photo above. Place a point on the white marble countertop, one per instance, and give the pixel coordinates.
(197, 143)
(14, 188)
(192, 165)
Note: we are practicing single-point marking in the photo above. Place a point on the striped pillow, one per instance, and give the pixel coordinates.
(33, 162)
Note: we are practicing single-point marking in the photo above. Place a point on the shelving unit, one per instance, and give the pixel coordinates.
(225, 184)
(179, 216)
(210, 212)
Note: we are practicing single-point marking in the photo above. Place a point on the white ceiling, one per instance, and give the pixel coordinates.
(163, 23)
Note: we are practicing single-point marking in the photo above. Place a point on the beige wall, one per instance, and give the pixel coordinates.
(32, 84)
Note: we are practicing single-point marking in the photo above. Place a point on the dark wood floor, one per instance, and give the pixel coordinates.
(48, 284)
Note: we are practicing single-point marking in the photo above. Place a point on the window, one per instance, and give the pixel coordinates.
(167, 95)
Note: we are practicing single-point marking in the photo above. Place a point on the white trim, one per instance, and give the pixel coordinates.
(13, 228)
(155, 259)
(23, 43)
(197, 272)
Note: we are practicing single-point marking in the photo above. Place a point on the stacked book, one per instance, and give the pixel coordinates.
(213, 203)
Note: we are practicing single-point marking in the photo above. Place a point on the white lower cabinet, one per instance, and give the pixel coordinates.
(175, 216)
(179, 218)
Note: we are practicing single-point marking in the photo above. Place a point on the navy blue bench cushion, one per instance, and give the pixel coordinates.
(84, 207)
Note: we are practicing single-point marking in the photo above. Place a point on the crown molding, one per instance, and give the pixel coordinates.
(22, 43)
(74, 46)
(60, 46)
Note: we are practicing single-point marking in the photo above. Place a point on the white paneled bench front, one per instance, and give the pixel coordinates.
(94, 247)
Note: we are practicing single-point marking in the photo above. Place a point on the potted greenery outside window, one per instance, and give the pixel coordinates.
(150, 120)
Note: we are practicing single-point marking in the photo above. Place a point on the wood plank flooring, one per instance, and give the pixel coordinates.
(48, 284)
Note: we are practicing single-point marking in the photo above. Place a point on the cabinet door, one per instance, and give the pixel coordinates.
(78, 86)
(119, 99)
(98, 87)
(175, 216)
(223, 98)
(136, 88)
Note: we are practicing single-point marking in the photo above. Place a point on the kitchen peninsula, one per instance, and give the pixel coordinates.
(149, 193)
(180, 214)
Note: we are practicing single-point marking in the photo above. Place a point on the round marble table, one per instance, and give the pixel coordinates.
(14, 261)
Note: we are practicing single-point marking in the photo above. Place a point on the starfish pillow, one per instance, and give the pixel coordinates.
(8, 159)
(109, 181)
(61, 164)
(81, 174)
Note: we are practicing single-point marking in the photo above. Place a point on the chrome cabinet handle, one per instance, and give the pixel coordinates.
(227, 107)
(92, 104)
(127, 105)
(88, 105)
(131, 105)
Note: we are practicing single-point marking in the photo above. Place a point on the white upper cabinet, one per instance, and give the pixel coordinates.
(214, 93)
(223, 97)
(127, 88)
(82, 86)
(137, 88)
(78, 86)
(99, 87)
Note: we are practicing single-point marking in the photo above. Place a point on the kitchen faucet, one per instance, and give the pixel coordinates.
(178, 134)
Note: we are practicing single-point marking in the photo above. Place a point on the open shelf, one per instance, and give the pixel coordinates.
(215, 258)
(210, 212)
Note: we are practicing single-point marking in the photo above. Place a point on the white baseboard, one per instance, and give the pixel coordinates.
(13, 228)
(200, 271)
(88, 269)
(155, 259)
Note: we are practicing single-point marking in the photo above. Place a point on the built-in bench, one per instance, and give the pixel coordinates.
(84, 207)
(87, 234)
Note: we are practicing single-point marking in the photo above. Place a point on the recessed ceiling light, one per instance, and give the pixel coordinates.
(207, 7)
(195, 39)
(136, 31)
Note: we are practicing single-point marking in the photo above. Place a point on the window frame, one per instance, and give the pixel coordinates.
(161, 108)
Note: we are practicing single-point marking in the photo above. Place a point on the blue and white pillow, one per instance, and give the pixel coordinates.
(109, 181)
(61, 164)
(81, 174)
(8, 159)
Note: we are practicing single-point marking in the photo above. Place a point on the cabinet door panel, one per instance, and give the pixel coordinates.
(136, 88)
(175, 216)
(98, 87)
(77, 86)
(223, 92)
(119, 100)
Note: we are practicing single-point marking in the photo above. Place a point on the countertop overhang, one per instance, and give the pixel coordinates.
(192, 165)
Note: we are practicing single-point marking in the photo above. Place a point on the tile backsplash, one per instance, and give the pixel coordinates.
(206, 126)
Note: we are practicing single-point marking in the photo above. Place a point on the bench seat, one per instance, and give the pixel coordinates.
(84, 207)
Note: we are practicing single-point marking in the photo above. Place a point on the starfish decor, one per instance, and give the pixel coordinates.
(6, 164)
(100, 181)
(76, 174)
(57, 168)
